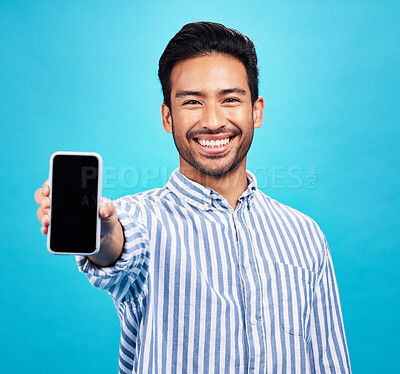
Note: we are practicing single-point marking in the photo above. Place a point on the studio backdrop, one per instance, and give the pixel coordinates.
(82, 76)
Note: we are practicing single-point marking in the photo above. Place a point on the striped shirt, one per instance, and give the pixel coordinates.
(204, 288)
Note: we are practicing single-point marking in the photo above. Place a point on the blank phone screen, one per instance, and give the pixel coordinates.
(74, 204)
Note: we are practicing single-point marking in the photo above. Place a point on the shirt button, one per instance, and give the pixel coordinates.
(246, 265)
(205, 205)
(214, 196)
(253, 321)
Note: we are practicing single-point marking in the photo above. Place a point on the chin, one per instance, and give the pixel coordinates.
(217, 171)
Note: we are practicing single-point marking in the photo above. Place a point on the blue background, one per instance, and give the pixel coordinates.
(82, 76)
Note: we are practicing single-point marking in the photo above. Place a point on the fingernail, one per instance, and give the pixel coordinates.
(104, 210)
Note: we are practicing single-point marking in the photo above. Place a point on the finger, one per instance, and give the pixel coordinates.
(106, 208)
(45, 220)
(40, 193)
(41, 212)
(46, 188)
(108, 216)
(103, 211)
(45, 203)
(44, 230)
(38, 196)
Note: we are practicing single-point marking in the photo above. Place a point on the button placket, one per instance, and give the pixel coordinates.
(250, 279)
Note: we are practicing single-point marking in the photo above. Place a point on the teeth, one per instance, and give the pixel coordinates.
(213, 143)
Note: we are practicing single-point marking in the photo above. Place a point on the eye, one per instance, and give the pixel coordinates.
(191, 102)
(231, 100)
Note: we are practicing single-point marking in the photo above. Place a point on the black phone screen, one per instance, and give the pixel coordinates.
(74, 210)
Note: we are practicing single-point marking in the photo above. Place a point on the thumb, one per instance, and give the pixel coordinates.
(108, 216)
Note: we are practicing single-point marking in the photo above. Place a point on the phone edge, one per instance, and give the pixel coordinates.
(99, 190)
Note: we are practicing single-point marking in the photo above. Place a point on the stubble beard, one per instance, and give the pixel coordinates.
(221, 170)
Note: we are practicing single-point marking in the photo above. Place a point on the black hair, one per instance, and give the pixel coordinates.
(200, 38)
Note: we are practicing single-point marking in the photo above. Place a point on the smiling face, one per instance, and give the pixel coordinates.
(211, 118)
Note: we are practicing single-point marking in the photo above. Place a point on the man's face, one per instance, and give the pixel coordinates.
(211, 117)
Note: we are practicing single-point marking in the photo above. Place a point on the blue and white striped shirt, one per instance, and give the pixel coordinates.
(205, 288)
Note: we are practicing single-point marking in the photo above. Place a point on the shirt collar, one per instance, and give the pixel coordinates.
(201, 196)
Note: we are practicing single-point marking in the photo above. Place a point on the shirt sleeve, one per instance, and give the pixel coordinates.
(328, 348)
(128, 275)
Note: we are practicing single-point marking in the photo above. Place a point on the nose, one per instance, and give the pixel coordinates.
(213, 117)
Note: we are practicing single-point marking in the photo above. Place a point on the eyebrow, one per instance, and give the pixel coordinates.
(225, 91)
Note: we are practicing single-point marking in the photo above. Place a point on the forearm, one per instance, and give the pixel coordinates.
(111, 247)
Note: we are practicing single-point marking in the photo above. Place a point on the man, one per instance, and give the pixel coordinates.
(208, 274)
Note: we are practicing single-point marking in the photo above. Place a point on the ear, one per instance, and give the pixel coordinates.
(258, 112)
(166, 117)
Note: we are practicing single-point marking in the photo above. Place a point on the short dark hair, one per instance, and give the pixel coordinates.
(200, 38)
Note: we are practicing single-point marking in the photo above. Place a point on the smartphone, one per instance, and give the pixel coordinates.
(75, 192)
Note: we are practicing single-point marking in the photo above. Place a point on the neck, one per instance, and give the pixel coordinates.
(229, 186)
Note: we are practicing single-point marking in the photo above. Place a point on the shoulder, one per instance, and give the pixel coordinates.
(302, 232)
(285, 212)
